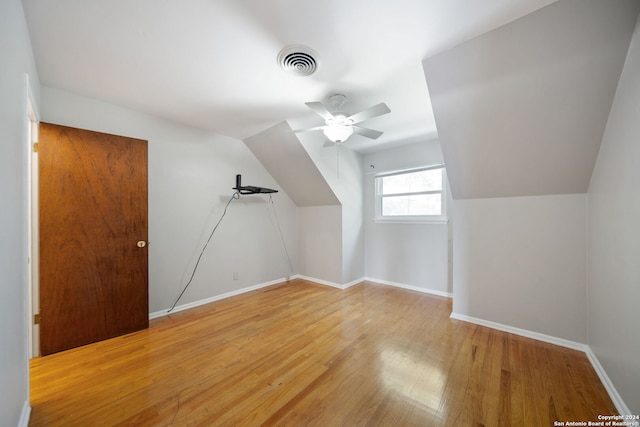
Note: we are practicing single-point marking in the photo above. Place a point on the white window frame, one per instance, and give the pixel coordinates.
(422, 219)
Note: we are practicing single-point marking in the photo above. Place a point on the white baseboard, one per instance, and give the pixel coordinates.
(410, 287)
(522, 332)
(25, 415)
(215, 298)
(321, 281)
(164, 312)
(353, 282)
(602, 374)
(378, 281)
(622, 407)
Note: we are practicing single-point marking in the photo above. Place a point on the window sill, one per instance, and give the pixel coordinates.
(411, 221)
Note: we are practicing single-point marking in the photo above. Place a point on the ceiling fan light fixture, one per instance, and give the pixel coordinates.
(339, 126)
(338, 133)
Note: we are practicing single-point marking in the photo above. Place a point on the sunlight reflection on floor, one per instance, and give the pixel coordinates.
(417, 380)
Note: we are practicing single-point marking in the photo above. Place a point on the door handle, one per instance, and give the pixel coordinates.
(141, 243)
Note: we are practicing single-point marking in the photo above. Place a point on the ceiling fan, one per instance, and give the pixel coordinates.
(339, 126)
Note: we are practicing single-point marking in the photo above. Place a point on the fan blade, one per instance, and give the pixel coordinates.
(371, 112)
(308, 129)
(320, 110)
(369, 133)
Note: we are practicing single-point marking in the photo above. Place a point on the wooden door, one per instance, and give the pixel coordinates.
(93, 235)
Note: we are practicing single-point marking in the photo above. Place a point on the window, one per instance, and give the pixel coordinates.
(412, 195)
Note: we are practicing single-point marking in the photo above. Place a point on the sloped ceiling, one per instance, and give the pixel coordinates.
(281, 153)
(212, 64)
(521, 110)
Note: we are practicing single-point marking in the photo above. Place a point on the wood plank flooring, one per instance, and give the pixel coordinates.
(302, 354)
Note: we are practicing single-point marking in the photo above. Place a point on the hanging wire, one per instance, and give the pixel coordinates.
(235, 196)
(284, 245)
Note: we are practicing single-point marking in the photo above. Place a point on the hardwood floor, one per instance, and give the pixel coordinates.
(302, 354)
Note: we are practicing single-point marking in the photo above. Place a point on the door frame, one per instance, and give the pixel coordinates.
(31, 122)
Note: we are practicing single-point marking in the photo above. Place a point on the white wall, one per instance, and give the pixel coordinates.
(17, 60)
(407, 254)
(349, 187)
(320, 243)
(321, 218)
(614, 238)
(191, 175)
(521, 262)
(342, 169)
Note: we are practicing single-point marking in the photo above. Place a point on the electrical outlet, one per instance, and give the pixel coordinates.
(235, 276)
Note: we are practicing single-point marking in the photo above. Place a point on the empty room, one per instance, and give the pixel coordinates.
(295, 213)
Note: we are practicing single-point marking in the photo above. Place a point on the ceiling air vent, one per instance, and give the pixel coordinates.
(298, 60)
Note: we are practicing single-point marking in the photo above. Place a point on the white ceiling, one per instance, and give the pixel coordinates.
(212, 63)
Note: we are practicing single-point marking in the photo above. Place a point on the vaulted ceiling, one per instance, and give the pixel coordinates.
(212, 63)
(517, 91)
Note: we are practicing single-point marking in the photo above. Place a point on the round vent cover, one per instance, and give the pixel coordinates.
(298, 60)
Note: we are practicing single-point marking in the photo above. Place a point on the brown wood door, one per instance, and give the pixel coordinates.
(93, 213)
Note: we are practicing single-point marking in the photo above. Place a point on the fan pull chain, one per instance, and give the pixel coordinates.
(338, 160)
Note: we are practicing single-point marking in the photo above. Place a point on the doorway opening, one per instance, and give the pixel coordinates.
(31, 137)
